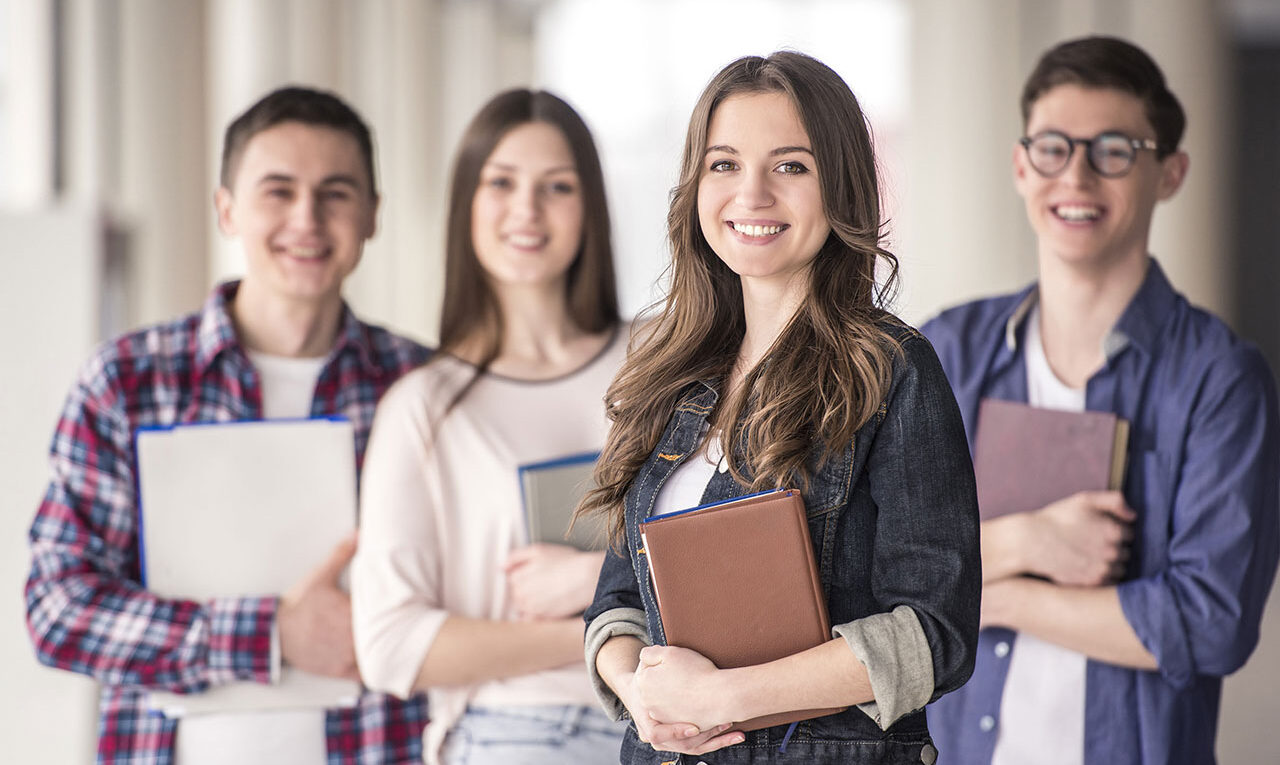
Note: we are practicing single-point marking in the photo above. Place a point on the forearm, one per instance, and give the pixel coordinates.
(617, 660)
(470, 651)
(1003, 547)
(822, 677)
(181, 646)
(1088, 620)
(86, 615)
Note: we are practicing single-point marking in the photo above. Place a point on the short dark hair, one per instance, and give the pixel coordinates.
(1109, 62)
(295, 104)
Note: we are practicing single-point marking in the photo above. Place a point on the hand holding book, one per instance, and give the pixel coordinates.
(1081, 540)
(551, 581)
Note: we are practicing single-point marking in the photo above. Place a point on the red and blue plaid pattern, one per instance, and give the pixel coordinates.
(86, 610)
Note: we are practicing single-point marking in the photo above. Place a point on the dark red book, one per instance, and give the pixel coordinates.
(1026, 457)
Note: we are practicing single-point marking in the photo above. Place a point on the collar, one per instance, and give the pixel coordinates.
(1139, 323)
(217, 332)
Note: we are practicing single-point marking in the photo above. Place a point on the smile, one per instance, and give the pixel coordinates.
(526, 241)
(747, 229)
(305, 253)
(1077, 213)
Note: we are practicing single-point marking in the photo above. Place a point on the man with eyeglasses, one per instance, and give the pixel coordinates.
(1109, 618)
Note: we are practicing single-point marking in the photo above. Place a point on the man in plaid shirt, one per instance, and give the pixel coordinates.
(298, 191)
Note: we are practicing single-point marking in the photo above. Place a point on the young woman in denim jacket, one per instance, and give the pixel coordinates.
(770, 365)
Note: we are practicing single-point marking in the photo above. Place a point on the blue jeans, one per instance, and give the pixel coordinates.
(551, 735)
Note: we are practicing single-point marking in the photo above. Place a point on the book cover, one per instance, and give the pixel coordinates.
(551, 491)
(737, 582)
(1026, 457)
(245, 509)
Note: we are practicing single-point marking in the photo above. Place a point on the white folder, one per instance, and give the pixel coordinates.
(245, 509)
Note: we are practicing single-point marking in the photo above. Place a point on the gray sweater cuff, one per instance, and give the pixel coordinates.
(899, 662)
(610, 624)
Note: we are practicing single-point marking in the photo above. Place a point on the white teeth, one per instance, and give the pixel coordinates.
(1077, 212)
(305, 252)
(749, 230)
(525, 240)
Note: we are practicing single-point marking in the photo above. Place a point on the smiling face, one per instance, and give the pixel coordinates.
(1080, 217)
(526, 215)
(759, 200)
(302, 207)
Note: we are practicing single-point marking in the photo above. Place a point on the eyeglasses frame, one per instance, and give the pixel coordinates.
(1136, 143)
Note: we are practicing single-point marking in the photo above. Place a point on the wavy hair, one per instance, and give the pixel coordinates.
(828, 370)
(471, 312)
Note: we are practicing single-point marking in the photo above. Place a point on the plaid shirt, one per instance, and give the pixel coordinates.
(86, 610)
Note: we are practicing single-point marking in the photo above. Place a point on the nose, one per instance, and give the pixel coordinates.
(306, 213)
(753, 190)
(526, 201)
(1078, 171)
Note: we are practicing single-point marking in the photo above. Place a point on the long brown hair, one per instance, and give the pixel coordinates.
(828, 370)
(471, 312)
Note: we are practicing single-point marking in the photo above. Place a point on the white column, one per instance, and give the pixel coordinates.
(397, 76)
(248, 54)
(26, 45)
(92, 79)
(163, 183)
(1192, 232)
(964, 233)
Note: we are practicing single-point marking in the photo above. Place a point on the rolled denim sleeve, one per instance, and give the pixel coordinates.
(926, 552)
(617, 622)
(899, 664)
(615, 611)
(1199, 611)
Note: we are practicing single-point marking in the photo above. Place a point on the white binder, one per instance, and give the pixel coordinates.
(245, 509)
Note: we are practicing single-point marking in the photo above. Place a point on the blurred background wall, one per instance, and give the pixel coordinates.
(111, 114)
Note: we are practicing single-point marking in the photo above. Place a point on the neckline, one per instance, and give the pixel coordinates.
(614, 335)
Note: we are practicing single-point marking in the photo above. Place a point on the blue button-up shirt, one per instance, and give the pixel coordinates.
(1204, 479)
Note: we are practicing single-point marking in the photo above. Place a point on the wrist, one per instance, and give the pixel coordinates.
(1005, 546)
(1022, 540)
(732, 690)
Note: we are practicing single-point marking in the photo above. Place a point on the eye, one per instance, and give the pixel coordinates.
(335, 195)
(791, 167)
(722, 166)
(277, 192)
(562, 187)
(499, 182)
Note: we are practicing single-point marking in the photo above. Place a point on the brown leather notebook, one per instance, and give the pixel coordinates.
(1025, 457)
(736, 581)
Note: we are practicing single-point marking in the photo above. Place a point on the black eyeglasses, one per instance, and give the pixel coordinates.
(1111, 155)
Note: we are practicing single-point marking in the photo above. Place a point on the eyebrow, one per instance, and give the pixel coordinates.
(549, 171)
(343, 179)
(776, 152)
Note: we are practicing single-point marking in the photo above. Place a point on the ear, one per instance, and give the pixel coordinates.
(371, 225)
(223, 204)
(1173, 170)
(1020, 168)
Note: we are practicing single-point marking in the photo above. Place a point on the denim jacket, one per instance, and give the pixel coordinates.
(894, 523)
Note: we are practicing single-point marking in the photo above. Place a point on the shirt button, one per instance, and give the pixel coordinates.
(987, 723)
(1002, 649)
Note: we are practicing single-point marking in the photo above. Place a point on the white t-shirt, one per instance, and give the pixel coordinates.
(685, 486)
(289, 737)
(1042, 709)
